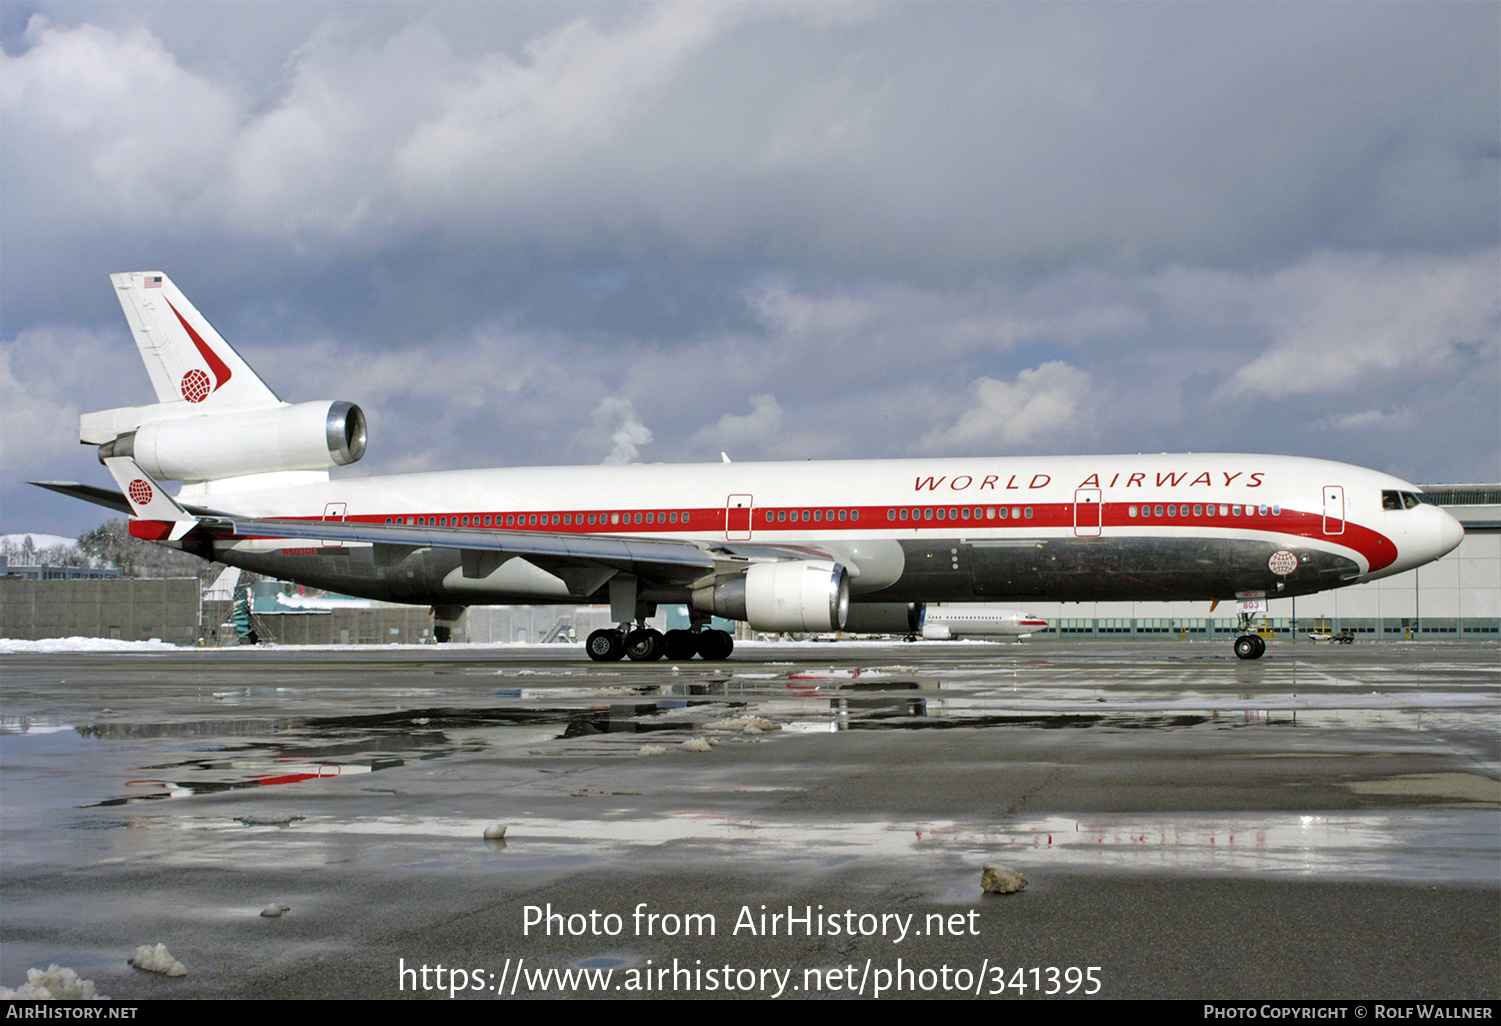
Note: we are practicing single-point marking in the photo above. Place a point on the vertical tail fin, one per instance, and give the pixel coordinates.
(187, 359)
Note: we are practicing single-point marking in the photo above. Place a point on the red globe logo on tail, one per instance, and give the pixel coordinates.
(1282, 563)
(196, 386)
(140, 492)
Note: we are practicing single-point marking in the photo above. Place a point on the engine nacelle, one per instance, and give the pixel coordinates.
(886, 618)
(305, 436)
(937, 632)
(793, 595)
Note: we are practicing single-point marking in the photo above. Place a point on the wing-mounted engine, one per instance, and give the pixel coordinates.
(304, 436)
(791, 595)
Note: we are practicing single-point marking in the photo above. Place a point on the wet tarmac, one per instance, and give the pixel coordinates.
(1322, 823)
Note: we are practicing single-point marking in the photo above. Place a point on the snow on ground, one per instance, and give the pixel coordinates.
(46, 645)
(39, 541)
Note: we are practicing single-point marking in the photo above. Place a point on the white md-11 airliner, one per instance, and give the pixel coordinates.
(811, 546)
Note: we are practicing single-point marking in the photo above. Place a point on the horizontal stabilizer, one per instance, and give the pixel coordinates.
(88, 493)
(105, 497)
(146, 498)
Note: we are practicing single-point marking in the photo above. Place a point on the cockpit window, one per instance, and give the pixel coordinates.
(1393, 499)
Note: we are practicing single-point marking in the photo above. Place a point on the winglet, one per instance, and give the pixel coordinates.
(146, 498)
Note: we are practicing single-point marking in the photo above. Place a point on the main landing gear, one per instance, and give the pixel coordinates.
(645, 644)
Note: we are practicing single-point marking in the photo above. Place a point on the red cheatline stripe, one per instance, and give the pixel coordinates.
(1378, 550)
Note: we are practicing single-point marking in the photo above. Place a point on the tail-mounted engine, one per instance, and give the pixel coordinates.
(304, 436)
(793, 595)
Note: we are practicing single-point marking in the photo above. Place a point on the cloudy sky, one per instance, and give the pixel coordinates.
(566, 233)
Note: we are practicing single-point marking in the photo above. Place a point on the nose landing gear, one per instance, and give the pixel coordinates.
(1249, 645)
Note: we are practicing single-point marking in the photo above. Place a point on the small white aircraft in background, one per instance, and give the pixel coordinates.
(952, 622)
(805, 547)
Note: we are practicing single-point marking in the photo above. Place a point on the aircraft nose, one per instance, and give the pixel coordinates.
(1450, 533)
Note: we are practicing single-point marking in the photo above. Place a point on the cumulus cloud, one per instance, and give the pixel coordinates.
(759, 427)
(48, 376)
(98, 123)
(627, 433)
(1328, 323)
(1044, 400)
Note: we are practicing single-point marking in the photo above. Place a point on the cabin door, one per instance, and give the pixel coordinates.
(1087, 513)
(737, 517)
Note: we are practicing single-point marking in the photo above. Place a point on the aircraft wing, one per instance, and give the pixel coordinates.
(483, 551)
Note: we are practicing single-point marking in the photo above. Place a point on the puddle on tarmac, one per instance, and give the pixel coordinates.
(218, 753)
(1353, 845)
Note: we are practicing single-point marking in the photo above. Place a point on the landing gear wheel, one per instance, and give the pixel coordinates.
(715, 645)
(643, 645)
(679, 646)
(1249, 646)
(604, 646)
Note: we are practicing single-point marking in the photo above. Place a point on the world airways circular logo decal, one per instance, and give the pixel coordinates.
(1282, 563)
(140, 492)
(195, 386)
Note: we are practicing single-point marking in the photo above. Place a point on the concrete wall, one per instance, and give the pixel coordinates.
(127, 609)
(375, 625)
